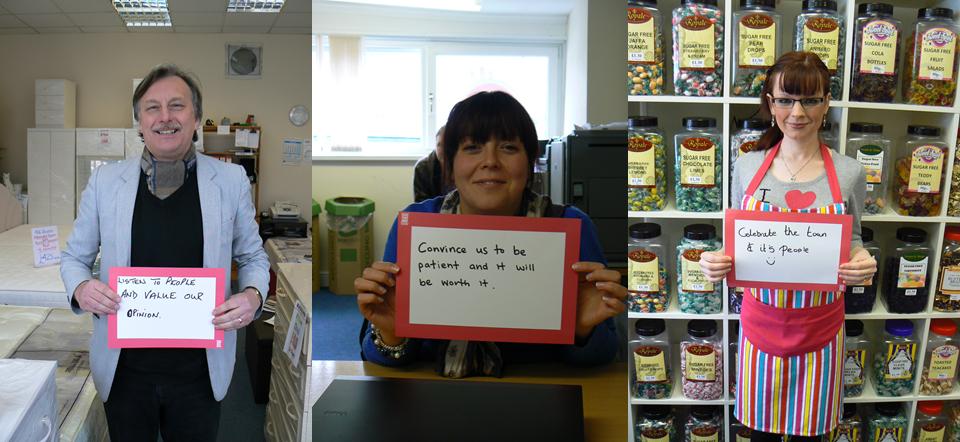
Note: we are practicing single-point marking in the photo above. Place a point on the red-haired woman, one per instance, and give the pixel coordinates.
(794, 384)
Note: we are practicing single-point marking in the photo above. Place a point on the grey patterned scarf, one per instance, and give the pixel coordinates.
(458, 359)
(165, 177)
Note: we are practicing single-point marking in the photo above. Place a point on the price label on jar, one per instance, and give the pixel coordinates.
(943, 363)
(697, 167)
(700, 363)
(696, 41)
(900, 361)
(878, 48)
(649, 363)
(821, 36)
(853, 367)
(926, 169)
(758, 41)
(643, 267)
(692, 278)
(931, 432)
(641, 36)
(913, 271)
(641, 163)
(938, 49)
(705, 434)
(871, 158)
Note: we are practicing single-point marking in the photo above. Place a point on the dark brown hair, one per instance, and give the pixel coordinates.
(487, 115)
(801, 73)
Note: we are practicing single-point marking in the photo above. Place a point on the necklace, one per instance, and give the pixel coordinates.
(793, 175)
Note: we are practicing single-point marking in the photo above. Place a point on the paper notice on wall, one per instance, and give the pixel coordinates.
(292, 152)
(293, 343)
(241, 138)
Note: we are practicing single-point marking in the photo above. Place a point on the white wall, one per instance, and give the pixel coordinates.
(103, 66)
(390, 184)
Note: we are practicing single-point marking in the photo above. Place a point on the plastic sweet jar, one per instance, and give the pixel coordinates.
(856, 346)
(850, 427)
(940, 362)
(732, 354)
(820, 29)
(930, 424)
(827, 134)
(698, 49)
(646, 165)
(655, 423)
(906, 276)
(876, 54)
(867, 144)
(648, 287)
(930, 68)
(651, 375)
(739, 431)
(921, 172)
(859, 298)
(756, 45)
(947, 298)
(701, 361)
(703, 424)
(745, 140)
(695, 293)
(888, 422)
(644, 48)
(698, 164)
(894, 359)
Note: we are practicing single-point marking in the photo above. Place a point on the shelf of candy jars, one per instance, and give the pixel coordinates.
(727, 109)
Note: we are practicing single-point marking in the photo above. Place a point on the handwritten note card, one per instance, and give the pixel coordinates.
(487, 278)
(46, 246)
(166, 307)
(799, 251)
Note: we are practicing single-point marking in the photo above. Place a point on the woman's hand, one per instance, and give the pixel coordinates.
(599, 296)
(861, 267)
(715, 265)
(376, 293)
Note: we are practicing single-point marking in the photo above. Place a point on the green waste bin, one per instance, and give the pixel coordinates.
(349, 240)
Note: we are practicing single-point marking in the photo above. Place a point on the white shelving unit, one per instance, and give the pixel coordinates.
(895, 117)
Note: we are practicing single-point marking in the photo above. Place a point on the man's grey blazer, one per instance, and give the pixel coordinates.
(104, 224)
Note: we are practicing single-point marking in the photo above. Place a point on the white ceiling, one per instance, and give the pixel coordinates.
(517, 7)
(98, 16)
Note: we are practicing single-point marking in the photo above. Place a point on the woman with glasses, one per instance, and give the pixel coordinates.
(794, 385)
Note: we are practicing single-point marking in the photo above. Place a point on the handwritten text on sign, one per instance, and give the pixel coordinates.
(46, 246)
(166, 307)
(786, 250)
(486, 276)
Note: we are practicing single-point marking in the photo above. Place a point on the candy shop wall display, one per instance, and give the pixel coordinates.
(820, 29)
(756, 45)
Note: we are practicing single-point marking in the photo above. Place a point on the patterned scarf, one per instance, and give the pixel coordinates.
(165, 177)
(458, 359)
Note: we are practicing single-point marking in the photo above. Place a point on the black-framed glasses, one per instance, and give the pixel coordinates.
(787, 103)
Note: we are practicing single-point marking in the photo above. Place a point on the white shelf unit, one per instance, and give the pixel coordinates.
(894, 116)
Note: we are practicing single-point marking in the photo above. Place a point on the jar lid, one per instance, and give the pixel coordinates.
(656, 412)
(642, 121)
(875, 8)
(899, 327)
(911, 235)
(754, 124)
(763, 3)
(930, 408)
(702, 328)
(931, 131)
(697, 122)
(644, 230)
(953, 233)
(819, 4)
(866, 234)
(870, 128)
(935, 13)
(854, 327)
(849, 410)
(699, 231)
(703, 412)
(700, 2)
(650, 327)
(888, 408)
(943, 327)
